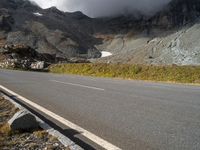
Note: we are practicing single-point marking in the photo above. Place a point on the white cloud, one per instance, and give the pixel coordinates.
(97, 8)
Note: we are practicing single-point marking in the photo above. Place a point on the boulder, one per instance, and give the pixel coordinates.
(23, 121)
(39, 65)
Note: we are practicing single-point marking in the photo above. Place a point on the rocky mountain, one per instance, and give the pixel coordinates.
(47, 31)
(169, 37)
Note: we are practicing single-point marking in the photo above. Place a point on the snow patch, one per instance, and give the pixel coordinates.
(38, 14)
(105, 54)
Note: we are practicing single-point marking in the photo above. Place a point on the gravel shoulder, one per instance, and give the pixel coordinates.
(33, 140)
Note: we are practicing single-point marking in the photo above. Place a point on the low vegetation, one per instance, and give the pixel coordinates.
(5, 130)
(178, 74)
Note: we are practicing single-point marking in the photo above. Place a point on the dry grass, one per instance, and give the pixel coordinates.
(40, 134)
(177, 74)
(7, 110)
(5, 129)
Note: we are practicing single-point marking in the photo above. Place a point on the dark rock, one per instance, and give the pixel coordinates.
(6, 20)
(24, 57)
(177, 14)
(23, 121)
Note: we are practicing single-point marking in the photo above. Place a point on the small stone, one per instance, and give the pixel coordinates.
(55, 144)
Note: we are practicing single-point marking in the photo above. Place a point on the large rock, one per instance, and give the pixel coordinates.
(24, 57)
(23, 121)
(39, 65)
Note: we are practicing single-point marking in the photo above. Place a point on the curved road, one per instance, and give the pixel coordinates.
(129, 114)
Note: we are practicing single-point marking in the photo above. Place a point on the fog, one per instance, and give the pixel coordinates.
(99, 8)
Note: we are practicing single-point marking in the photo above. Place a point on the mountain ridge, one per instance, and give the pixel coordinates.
(67, 35)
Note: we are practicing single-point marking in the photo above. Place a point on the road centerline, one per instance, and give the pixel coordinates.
(79, 85)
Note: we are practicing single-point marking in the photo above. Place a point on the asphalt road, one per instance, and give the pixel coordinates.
(129, 114)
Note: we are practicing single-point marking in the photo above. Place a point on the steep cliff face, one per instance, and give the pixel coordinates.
(177, 13)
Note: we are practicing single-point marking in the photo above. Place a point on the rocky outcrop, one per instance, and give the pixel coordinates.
(177, 14)
(23, 56)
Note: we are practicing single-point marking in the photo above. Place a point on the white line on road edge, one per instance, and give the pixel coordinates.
(89, 87)
(62, 120)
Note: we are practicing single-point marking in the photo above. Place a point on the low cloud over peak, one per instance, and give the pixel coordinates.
(98, 8)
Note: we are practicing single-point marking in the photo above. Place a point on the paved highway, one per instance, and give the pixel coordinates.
(129, 114)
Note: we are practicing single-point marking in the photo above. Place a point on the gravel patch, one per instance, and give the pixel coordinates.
(34, 140)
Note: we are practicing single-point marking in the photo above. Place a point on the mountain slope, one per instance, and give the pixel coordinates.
(47, 31)
(169, 37)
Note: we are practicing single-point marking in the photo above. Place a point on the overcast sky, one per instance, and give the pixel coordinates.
(97, 8)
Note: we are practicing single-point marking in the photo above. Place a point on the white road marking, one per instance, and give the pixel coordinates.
(74, 84)
(89, 135)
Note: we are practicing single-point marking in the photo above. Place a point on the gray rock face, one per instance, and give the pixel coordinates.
(23, 121)
(6, 20)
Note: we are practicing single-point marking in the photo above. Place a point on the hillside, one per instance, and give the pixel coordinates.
(169, 37)
(46, 31)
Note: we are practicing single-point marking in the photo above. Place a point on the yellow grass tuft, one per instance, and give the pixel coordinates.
(40, 134)
(5, 129)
